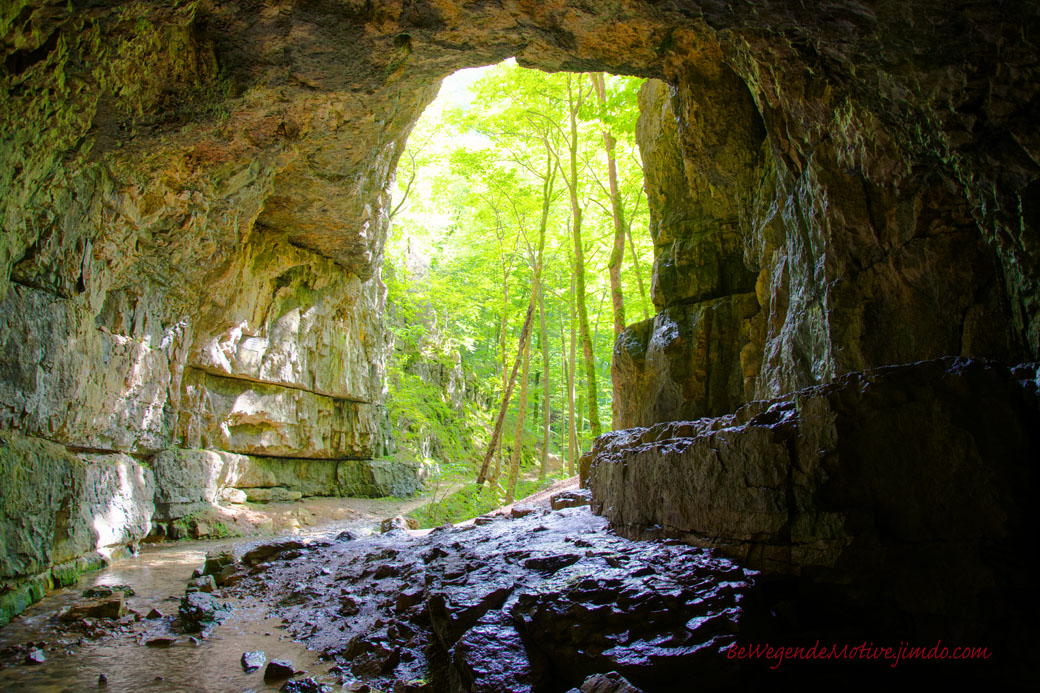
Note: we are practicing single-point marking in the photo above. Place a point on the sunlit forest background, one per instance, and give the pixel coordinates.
(519, 201)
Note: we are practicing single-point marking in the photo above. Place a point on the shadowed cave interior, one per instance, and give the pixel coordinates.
(837, 394)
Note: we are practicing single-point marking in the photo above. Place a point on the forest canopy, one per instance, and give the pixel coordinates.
(519, 248)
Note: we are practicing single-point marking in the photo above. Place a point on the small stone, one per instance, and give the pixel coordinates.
(199, 529)
(35, 657)
(608, 683)
(407, 598)
(345, 535)
(267, 552)
(217, 561)
(520, 511)
(162, 643)
(199, 611)
(385, 570)
(102, 680)
(251, 661)
(552, 563)
(357, 687)
(379, 660)
(221, 577)
(349, 606)
(98, 591)
(154, 614)
(399, 522)
(278, 670)
(570, 499)
(205, 583)
(483, 520)
(232, 580)
(307, 685)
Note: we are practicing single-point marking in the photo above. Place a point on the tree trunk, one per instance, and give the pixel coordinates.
(639, 274)
(574, 102)
(496, 432)
(617, 253)
(580, 420)
(518, 431)
(572, 429)
(544, 468)
(523, 349)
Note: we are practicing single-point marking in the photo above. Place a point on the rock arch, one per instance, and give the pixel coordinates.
(194, 205)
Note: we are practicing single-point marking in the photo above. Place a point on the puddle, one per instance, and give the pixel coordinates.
(158, 575)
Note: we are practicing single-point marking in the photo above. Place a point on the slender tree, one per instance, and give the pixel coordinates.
(617, 251)
(523, 349)
(572, 424)
(575, 98)
(474, 299)
(518, 431)
(544, 466)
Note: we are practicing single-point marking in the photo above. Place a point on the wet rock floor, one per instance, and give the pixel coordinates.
(538, 602)
(140, 650)
(534, 600)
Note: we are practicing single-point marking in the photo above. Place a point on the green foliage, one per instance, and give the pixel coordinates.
(472, 501)
(219, 530)
(459, 261)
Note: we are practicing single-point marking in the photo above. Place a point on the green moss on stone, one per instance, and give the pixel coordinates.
(21, 597)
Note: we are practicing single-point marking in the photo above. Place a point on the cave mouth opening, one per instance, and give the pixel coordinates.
(511, 173)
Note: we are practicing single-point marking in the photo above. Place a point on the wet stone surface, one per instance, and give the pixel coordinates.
(200, 612)
(539, 602)
(251, 661)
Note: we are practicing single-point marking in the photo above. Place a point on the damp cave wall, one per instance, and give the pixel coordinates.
(194, 201)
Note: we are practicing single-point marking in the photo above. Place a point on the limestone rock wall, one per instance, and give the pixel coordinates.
(187, 481)
(783, 262)
(63, 513)
(210, 179)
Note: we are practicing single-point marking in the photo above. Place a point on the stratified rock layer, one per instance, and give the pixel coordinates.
(899, 495)
(63, 513)
(188, 481)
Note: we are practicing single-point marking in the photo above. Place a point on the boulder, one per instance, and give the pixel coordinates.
(278, 670)
(398, 522)
(111, 608)
(271, 551)
(200, 612)
(878, 490)
(251, 661)
(570, 499)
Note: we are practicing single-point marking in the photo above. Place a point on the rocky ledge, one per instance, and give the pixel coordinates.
(540, 602)
(896, 499)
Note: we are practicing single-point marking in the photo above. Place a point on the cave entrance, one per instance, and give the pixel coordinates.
(517, 253)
